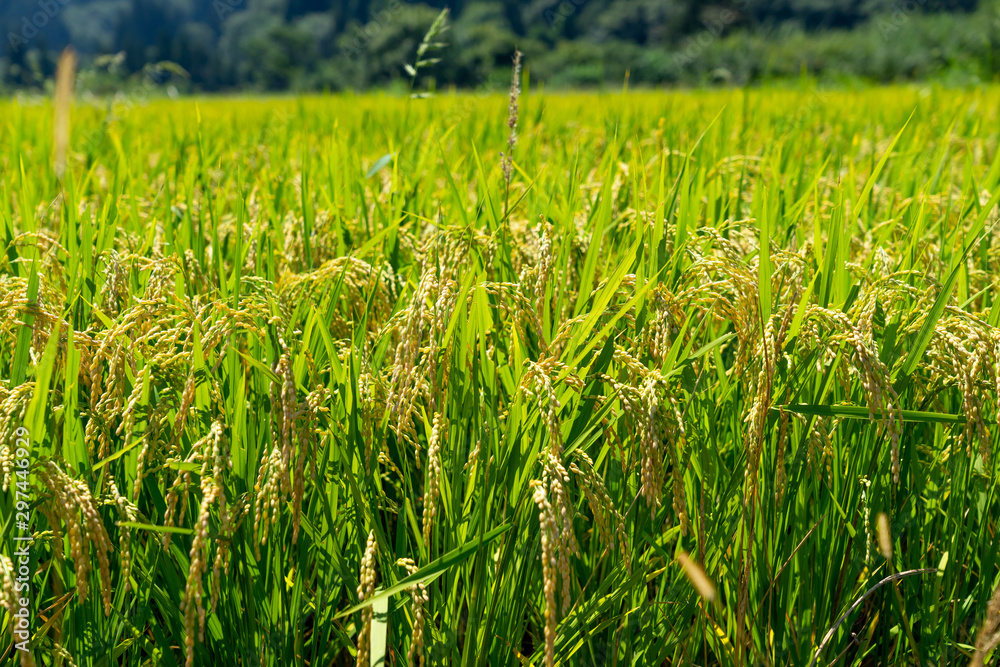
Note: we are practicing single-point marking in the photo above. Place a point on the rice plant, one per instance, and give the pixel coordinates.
(702, 378)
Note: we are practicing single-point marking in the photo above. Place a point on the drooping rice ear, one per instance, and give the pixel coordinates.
(420, 597)
(366, 588)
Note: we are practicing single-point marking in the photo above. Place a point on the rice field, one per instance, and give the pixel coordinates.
(664, 378)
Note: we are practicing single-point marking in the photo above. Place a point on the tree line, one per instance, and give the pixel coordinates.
(218, 45)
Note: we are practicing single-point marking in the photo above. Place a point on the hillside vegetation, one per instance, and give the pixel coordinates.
(306, 45)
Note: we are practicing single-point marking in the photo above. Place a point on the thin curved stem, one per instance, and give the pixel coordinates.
(857, 603)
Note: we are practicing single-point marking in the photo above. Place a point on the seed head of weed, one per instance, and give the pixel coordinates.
(427, 44)
(507, 158)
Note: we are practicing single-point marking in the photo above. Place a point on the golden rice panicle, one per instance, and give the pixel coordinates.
(108, 404)
(555, 517)
(292, 424)
(781, 336)
(760, 406)
(536, 381)
(371, 406)
(993, 350)
(547, 523)
(267, 495)
(160, 284)
(437, 377)
(126, 424)
(57, 650)
(883, 262)
(366, 589)
(866, 508)
(568, 545)
(663, 326)
(406, 382)
(415, 370)
(989, 634)
(13, 404)
(71, 502)
(212, 451)
(420, 598)
(115, 291)
(309, 418)
(193, 274)
(192, 605)
(678, 455)
(126, 512)
(220, 564)
(482, 435)
(660, 433)
(95, 534)
(883, 402)
(543, 268)
(819, 447)
(176, 494)
(650, 438)
(731, 288)
(184, 408)
(151, 442)
(966, 356)
(866, 316)
(556, 510)
(7, 595)
(286, 415)
(432, 489)
(597, 497)
(601, 505)
(781, 476)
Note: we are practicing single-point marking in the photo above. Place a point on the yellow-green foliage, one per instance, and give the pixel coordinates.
(637, 398)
